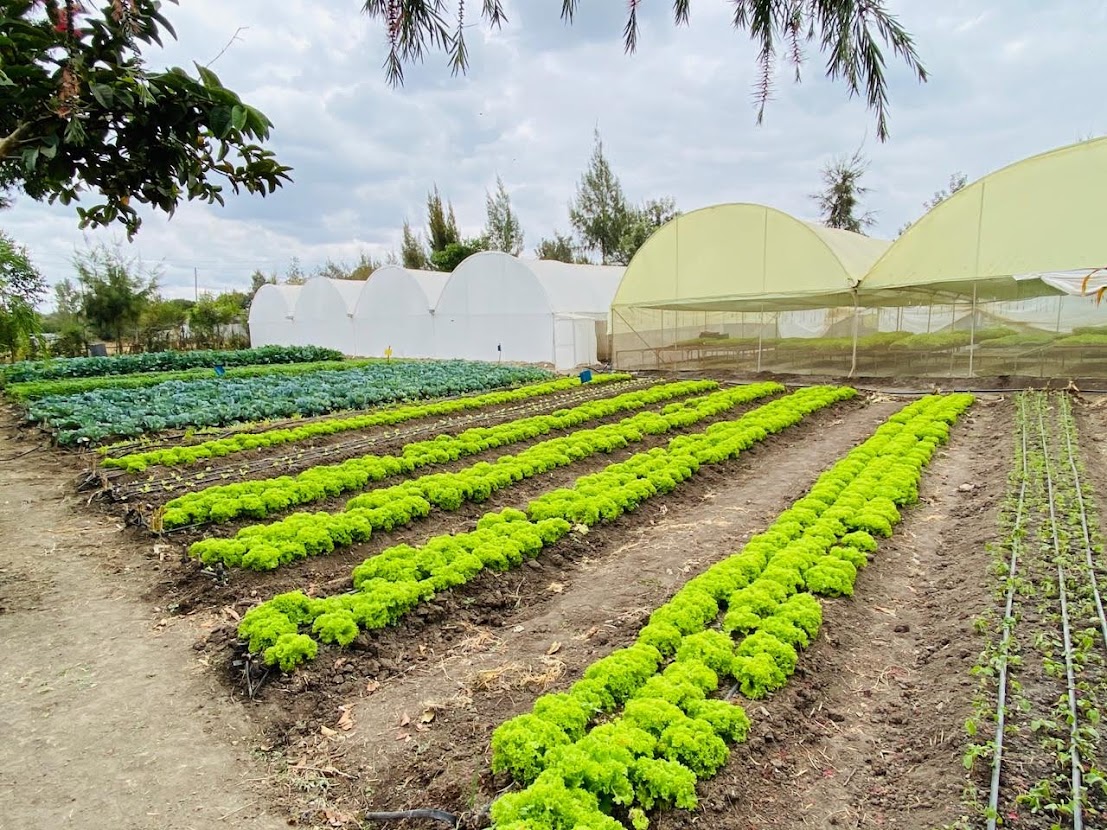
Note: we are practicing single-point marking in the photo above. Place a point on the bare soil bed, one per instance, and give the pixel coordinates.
(867, 734)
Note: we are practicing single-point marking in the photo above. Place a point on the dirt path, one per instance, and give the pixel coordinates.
(572, 610)
(870, 731)
(107, 718)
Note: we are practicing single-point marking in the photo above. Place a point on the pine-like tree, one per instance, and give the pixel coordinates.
(840, 199)
(503, 230)
(599, 213)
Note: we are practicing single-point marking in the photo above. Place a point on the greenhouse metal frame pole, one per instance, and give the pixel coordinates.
(760, 336)
(856, 326)
(972, 330)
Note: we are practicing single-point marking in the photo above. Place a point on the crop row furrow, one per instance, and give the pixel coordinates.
(100, 414)
(392, 583)
(137, 462)
(258, 499)
(661, 729)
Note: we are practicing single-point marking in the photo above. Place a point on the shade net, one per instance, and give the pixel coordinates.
(884, 334)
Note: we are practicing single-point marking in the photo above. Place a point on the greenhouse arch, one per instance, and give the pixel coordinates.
(395, 311)
(271, 315)
(719, 281)
(499, 307)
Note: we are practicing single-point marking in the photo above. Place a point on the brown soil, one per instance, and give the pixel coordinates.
(109, 720)
(867, 734)
(162, 483)
(186, 586)
(482, 653)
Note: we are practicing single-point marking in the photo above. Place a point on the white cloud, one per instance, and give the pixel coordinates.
(677, 119)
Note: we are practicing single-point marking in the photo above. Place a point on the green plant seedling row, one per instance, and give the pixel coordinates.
(221, 447)
(258, 499)
(86, 367)
(661, 730)
(92, 417)
(300, 535)
(35, 389)
(392, 583)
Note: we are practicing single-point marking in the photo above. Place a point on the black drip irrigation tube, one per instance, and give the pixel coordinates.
(1008, 624)
(1068, 426)
(1074, 750)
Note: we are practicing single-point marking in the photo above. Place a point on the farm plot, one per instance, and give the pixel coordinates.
(611, 588)
(450, 787)
(1036, 728)
(92, 417)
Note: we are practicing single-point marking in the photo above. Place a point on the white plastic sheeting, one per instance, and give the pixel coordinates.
(396, 311)
(493, 307)
(498, 307)
(324, 313)
(271, 315)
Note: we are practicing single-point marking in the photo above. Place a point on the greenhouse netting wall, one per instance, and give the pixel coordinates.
(1047, 336)
(1005, 277)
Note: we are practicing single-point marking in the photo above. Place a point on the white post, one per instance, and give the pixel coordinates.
(856, 326)
(760, 336)
(972, 330)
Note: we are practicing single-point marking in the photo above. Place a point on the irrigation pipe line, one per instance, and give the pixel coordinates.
(1008, 625)
(401, 815)
(1074, 751)
(1066, 422)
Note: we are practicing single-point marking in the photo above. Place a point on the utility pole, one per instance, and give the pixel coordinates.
(195, 285)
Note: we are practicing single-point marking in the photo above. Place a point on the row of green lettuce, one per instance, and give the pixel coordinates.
(301, 535)
(87, 367)
(137, 462)
(641, 727)
(392, 583)
(101, 414)
(35, 389)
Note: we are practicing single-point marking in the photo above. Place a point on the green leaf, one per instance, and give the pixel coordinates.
(221, 121)
(238, 117)
(210, 79)
(103, 94)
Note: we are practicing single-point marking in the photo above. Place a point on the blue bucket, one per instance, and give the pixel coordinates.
(586, 376)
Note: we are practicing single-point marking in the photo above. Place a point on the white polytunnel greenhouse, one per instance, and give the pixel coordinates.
(498, 307)
(492, 307)
(271, 315)
(396, 311)
(324, 313)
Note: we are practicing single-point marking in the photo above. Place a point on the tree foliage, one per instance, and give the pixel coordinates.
(82, 113)
(840, 199)
(956, 182)
(599, 213)
(21, 288)
(441, 223)
(853, 35)
(641, 225)
(115, 290)
(412, 253)
(503, 230)
(455, 253)
(559, 249)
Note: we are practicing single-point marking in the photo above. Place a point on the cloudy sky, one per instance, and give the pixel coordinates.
(1009, 78)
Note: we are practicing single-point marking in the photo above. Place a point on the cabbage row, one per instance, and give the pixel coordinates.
(392, 583)
(34, 389)
(220, 447)
(87, 367)
(263, 547)
(100, 414)
(660, 731)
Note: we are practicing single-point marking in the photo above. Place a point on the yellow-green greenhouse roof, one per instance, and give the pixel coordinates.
(737, 257)
(1044, 214)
